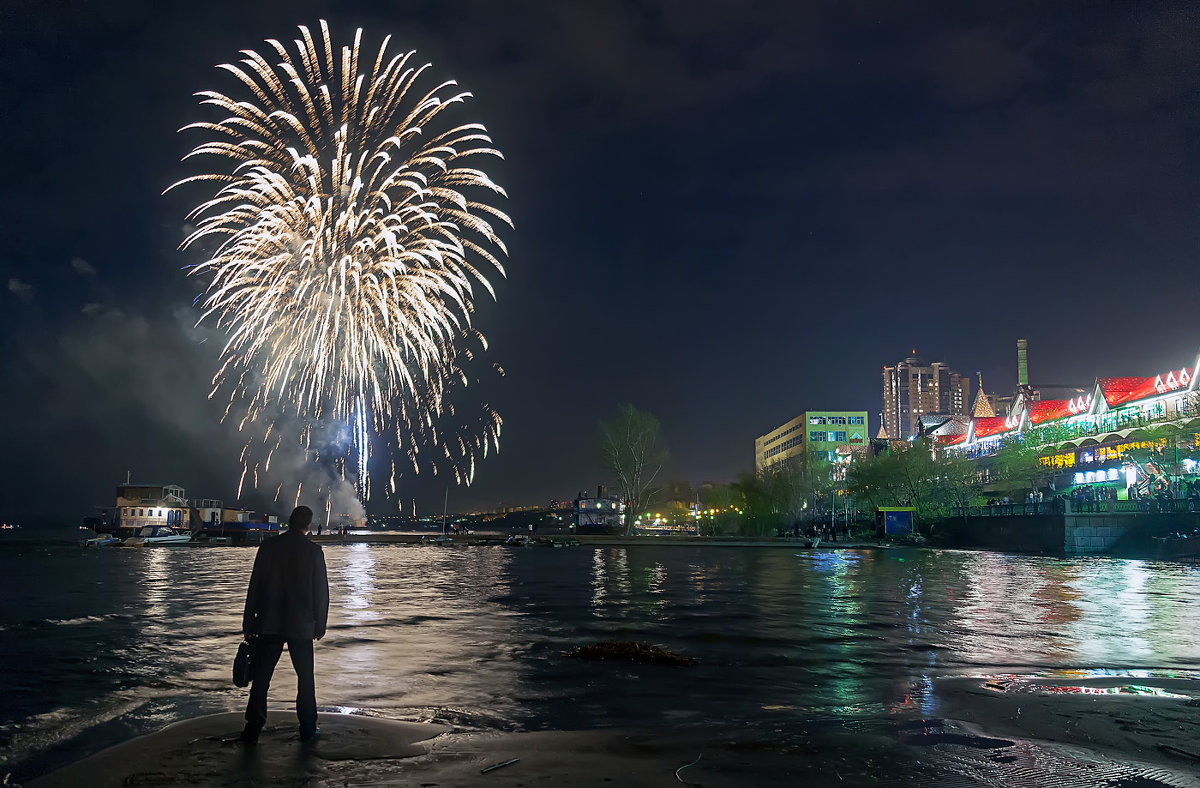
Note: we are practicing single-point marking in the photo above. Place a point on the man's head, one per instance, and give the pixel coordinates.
(300, 519)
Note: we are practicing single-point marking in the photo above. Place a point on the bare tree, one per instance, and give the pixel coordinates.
(632, 450)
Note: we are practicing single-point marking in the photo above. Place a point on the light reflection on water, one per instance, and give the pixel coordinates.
(126, 640)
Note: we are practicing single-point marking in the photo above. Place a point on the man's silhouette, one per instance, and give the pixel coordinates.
(287, 602)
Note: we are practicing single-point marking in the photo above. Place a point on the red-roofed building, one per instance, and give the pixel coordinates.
(1048, 410)
(991, 426)
(1099, 424)
(1124, 391)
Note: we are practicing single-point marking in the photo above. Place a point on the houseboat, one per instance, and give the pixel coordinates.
(166, 506)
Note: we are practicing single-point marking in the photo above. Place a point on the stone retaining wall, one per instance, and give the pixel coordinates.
(1118, 534)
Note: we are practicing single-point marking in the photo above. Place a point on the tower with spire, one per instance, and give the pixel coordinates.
(983, 407)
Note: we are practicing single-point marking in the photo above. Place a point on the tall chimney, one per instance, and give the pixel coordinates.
(1022, 362)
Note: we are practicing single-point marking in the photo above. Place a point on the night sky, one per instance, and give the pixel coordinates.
(726, 213)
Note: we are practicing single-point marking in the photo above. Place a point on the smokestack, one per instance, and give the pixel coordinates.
(1022, 362)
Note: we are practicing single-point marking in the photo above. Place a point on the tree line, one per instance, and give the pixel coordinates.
(810, 488)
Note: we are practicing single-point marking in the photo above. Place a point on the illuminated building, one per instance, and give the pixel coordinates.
(815, 431)
(600, 515)
(912, 389)
(139, 505)
(1089, 437)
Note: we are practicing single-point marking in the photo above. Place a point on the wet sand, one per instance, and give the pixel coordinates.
(356, 750)
(1004, 731)
(1112, 717)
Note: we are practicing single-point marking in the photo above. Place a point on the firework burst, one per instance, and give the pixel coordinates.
(346, 237)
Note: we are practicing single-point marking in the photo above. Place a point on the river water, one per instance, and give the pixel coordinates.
(100, 645)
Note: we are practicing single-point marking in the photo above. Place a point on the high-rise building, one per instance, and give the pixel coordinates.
(815, 431)
(912, 389)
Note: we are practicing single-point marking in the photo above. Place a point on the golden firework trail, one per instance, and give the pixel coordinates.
(348, 233)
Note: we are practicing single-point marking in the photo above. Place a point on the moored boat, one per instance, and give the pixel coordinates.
(1177, 547)
(153, 535)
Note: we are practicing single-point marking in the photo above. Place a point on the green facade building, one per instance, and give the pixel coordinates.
(823, 431)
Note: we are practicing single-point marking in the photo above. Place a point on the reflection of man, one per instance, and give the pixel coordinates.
(287, 602)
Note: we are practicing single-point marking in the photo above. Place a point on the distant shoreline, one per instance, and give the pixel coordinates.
(562, 540)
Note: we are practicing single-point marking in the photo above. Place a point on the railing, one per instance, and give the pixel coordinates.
(1096, 426)
(1011, 509)
(1059, 506)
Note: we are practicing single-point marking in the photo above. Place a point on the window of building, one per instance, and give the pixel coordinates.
(856, 419)
(837, 419)
(840, 437)
(816, 436)
(816, 420)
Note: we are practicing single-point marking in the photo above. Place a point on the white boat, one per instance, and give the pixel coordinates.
(101, 540)
(157, 534)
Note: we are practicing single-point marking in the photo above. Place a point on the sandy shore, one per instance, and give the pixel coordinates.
(1154, 721)
(996, 731)
(356, 750)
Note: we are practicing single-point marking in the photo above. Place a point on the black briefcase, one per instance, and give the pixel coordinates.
(243, 664)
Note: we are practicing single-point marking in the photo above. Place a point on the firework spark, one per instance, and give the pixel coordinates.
(344, 240)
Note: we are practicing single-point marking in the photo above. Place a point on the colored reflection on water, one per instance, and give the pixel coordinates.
(108, 643)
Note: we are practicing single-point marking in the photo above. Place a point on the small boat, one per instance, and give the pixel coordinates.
(519, 540)
(152, 535)
(100, 540)
(1177, 547)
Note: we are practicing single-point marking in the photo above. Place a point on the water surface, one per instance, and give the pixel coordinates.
(98, 645)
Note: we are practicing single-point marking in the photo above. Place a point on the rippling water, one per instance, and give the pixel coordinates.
(97, 645)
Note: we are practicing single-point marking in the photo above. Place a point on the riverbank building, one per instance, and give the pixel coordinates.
(832, 433)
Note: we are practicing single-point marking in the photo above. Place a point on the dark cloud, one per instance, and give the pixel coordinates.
(981, 64)
(82, 266)
(21, 289)
(727, 213)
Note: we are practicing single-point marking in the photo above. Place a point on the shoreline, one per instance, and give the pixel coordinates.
(1069, 738)
(490, 539)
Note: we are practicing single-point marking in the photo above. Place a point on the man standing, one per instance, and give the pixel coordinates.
(287, 602)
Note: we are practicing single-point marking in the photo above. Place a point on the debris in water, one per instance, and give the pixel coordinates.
(629, 651)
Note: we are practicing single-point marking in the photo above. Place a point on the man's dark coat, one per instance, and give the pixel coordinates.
(289, 592)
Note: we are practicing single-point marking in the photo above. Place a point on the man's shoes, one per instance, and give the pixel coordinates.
(248, 736)
(309, 736)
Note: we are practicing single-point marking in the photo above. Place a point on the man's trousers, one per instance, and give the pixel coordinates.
(267, 650)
